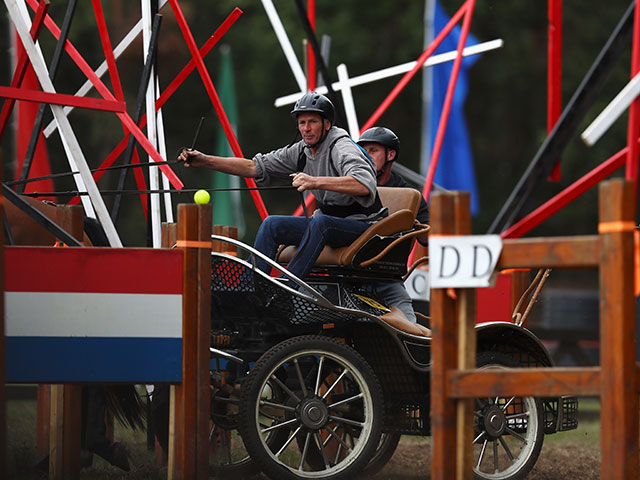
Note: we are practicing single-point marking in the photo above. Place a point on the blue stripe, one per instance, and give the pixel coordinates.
(93, 359)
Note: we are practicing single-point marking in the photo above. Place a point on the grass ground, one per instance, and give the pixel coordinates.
(573, 454)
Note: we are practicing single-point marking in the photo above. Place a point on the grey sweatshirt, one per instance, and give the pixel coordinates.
(274, 168)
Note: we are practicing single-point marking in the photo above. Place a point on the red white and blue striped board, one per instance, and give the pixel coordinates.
(93, 315)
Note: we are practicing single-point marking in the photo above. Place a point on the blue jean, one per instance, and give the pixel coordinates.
(313, 234)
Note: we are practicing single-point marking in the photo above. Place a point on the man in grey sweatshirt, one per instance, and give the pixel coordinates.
(329, 164)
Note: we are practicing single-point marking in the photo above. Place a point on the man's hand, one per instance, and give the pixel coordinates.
(192, 157)
(303, 182)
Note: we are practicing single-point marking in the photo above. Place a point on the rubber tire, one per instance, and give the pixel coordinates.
(386, 448)
(274, 360)
(498, 359)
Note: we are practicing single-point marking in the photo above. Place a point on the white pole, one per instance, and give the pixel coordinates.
(285, 44)
(347, 99)
(610, 114)
(102, 69)
(150, 99)
(72, 146)
(397, 70)
(166, 185)
(86, 201)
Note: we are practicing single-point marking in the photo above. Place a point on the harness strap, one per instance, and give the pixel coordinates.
(342, 211)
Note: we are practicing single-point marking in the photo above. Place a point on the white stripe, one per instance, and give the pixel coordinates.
(53, 314)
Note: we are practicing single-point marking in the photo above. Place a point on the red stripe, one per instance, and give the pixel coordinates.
(93, 270)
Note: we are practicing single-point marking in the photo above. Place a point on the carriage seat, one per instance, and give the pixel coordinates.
(403, 205)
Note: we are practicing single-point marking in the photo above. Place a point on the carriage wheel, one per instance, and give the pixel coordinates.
(385, 450)
(228, 457)
(508, 430)
(327, 401)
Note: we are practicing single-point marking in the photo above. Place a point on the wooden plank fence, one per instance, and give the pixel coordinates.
(616, 381)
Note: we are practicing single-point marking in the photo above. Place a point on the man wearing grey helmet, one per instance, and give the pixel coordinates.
(329, 164)
(383, 146)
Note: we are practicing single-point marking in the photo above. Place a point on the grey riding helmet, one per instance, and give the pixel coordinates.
(316, 103)
(383, 136)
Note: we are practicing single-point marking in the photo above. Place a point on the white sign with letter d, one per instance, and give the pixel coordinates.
(463, 261)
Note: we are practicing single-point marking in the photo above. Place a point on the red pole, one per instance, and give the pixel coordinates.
(311, 59)
(554, 72)
(124, 117)
(215, 100)
(411, 73)
(633, 128)
(169, 91)
(444, 117)
(568, 195)
(21, 66)
(117, 90)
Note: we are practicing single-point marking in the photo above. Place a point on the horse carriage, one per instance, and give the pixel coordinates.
(317, 378)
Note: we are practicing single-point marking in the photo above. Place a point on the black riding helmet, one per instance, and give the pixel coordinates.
(317, 103)
(384, 137)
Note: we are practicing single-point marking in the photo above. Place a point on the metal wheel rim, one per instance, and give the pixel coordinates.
(349, 373)
(504, 446)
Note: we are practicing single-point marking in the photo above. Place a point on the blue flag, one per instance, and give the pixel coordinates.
(455, 169)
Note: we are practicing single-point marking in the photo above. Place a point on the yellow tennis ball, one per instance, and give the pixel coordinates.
(201, 197)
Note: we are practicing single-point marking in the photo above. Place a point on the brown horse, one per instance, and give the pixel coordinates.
(26, 231)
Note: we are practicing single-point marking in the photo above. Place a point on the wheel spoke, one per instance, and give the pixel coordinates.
(506, 448)
(289, 440)
(479, 437)
(495, 456)
(339, 439)
(286, 408)
(338, 380)
(279, 425)
(517, 415)
(303, 387)
(516, 434)
(226, 443)
(506, 405)
(233, 401)
(327, 464)
(346, 400)
(305, 449)
(319, 376)
(339, 449)
(347, 421)
(286, 389)
(482, 451)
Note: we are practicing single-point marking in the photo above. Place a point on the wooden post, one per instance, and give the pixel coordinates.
(619, 398)
(168, 234)
(168, 238)
(443, 354)
(190, 412)
(226, 231)
(466, 313)
(66, 400)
